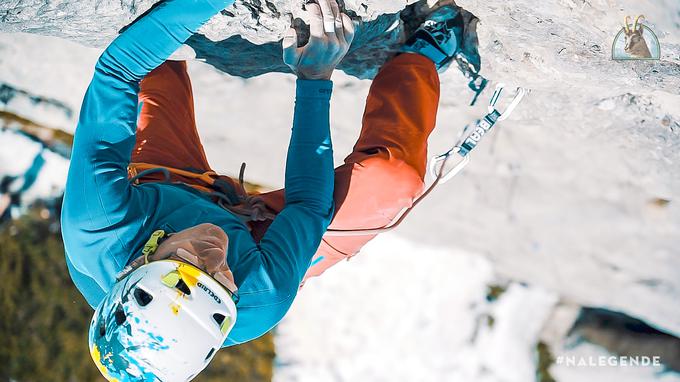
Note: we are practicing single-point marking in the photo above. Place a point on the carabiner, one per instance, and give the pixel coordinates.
(521, 92)
(441, 160)
(467, 142)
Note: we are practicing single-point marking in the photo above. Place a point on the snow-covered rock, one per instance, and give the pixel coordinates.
(406, 312)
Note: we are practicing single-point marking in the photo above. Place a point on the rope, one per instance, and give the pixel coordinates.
(166, 174)
(396, 222)
(247, 207)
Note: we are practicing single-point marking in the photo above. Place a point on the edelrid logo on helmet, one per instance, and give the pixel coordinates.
(209, 292)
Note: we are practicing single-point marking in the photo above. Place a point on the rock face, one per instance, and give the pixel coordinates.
(579, 191)
(249, 30)
(259, 21)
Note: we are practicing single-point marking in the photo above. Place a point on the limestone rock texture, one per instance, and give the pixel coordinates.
(242, 40)
(95, 22)
(577, 192)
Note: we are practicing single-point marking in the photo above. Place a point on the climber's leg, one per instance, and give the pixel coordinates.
(166, 129)
(385, 171)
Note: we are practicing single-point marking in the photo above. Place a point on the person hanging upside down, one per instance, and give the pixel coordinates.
(179, 261)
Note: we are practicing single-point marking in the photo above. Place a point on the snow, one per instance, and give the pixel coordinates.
(403, 311)
(58, 69)
(509, 347)
(398, 312)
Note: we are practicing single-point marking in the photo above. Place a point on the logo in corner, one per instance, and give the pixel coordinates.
(635, 42)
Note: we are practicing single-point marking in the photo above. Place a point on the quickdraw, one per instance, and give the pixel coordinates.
(469, 139)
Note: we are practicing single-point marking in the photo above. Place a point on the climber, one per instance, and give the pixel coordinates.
(178, 261)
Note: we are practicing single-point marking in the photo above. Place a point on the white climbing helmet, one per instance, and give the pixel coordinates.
(163, 322)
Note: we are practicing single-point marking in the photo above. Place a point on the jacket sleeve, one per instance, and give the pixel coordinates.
(295, 234)
(102, 211)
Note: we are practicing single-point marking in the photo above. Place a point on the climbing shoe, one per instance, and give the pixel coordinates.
(439, 37)
(446, 34)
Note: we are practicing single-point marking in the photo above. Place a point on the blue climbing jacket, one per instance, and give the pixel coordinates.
(106, 220)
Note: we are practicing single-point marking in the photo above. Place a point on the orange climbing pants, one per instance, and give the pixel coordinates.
(382, 176)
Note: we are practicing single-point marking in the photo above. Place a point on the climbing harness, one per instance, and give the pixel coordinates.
(247, 207)
(468, 140)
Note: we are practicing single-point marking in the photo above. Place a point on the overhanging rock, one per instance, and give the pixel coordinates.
(242, 40)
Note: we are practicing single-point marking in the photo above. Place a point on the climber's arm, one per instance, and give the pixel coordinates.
(286, 249)
(101, 208)
(296, 232)
(292, 239)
